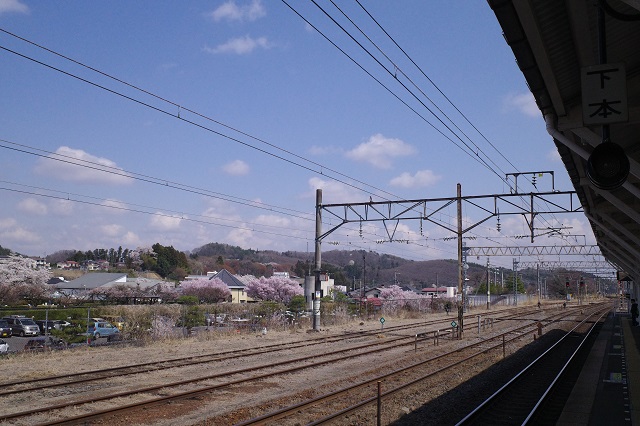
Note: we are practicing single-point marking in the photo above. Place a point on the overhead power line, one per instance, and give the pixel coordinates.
(323, 169)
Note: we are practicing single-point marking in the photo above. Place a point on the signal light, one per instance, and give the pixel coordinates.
(567, 283)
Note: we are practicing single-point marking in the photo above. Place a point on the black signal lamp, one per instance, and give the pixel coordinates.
(608, 166)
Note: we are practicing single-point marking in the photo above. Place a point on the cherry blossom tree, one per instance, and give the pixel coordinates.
(206, 290)
(395, 298)
(276, 289)
(20, 279)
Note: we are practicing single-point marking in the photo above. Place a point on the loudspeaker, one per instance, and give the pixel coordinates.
(608, 166)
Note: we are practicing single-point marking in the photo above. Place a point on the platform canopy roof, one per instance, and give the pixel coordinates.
(581, 59)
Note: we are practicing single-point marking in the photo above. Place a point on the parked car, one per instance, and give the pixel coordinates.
(5, 328)
(22, 326)
(102, 329)
(4, 347)
(41, 343)
(60, 324)
(115, 320)
(46, 326)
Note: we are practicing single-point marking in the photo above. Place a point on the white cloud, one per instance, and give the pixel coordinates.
(523, 102)
(554, 156)
(11, 232)
(62, 207)
(64, 170)
(163, 222)
(334, 192)
(20, 236)
(33, 206)
(115, 206)
(421, 179)
(7, 223)
(242, 238)
(236, 168)
(112, 230)
(379, 151)
(13, 6)
(230, 11)
(240, 45)
(131, 239)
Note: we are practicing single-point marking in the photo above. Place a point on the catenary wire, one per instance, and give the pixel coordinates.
(436, 87)
(181, 107)
(469, 152)
(160, 110)
(172, 103)
(397, 69)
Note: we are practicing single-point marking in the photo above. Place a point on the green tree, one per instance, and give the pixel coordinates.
(166, 261)
(298, 304)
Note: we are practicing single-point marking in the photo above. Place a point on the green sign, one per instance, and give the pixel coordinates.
(454, 324)
(381, 320)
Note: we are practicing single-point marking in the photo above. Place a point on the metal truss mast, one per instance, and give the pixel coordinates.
(390, 213)
(601, 265)
(579, 250)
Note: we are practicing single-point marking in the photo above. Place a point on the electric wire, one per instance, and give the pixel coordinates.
(150, 179)
(148, 105)
(470, 154)
(154, 180)
(398, 69)
(171, 114)
(439, 91)
(175, 213)
(136, 210)
(181, 107)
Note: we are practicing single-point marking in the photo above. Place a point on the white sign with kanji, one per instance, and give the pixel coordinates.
(604, 94)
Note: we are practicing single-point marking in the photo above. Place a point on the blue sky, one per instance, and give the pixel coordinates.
(246, 110)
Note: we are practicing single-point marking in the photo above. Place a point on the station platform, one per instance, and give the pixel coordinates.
(608, 388)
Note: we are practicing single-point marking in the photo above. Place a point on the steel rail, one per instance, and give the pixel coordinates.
(513, 380)
(94, 375)
(207, 389)
(284, 412)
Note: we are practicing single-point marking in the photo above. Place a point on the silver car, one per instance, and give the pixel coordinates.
(22, 326)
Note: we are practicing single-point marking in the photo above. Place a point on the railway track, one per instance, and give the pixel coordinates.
(118, 400)
(523, 398)
(29, 385)
(368, 396)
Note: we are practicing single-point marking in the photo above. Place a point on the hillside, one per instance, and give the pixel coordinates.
(346, 266)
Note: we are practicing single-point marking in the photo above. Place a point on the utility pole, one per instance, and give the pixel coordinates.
(515, 281)
(460, 265)
(364, 275)
(538, 283)
(488, 284)
(318, 264)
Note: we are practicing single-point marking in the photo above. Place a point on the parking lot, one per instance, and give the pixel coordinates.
(17, 344)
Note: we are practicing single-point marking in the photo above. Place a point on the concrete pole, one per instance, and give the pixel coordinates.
(318, 262)
(538, 286)
(488, 284)
(460, 265)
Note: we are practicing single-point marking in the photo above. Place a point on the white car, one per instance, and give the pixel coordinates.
(4, 346)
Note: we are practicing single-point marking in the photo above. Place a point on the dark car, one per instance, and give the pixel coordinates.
(46, 327)
(5, 329)
(42, 343)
